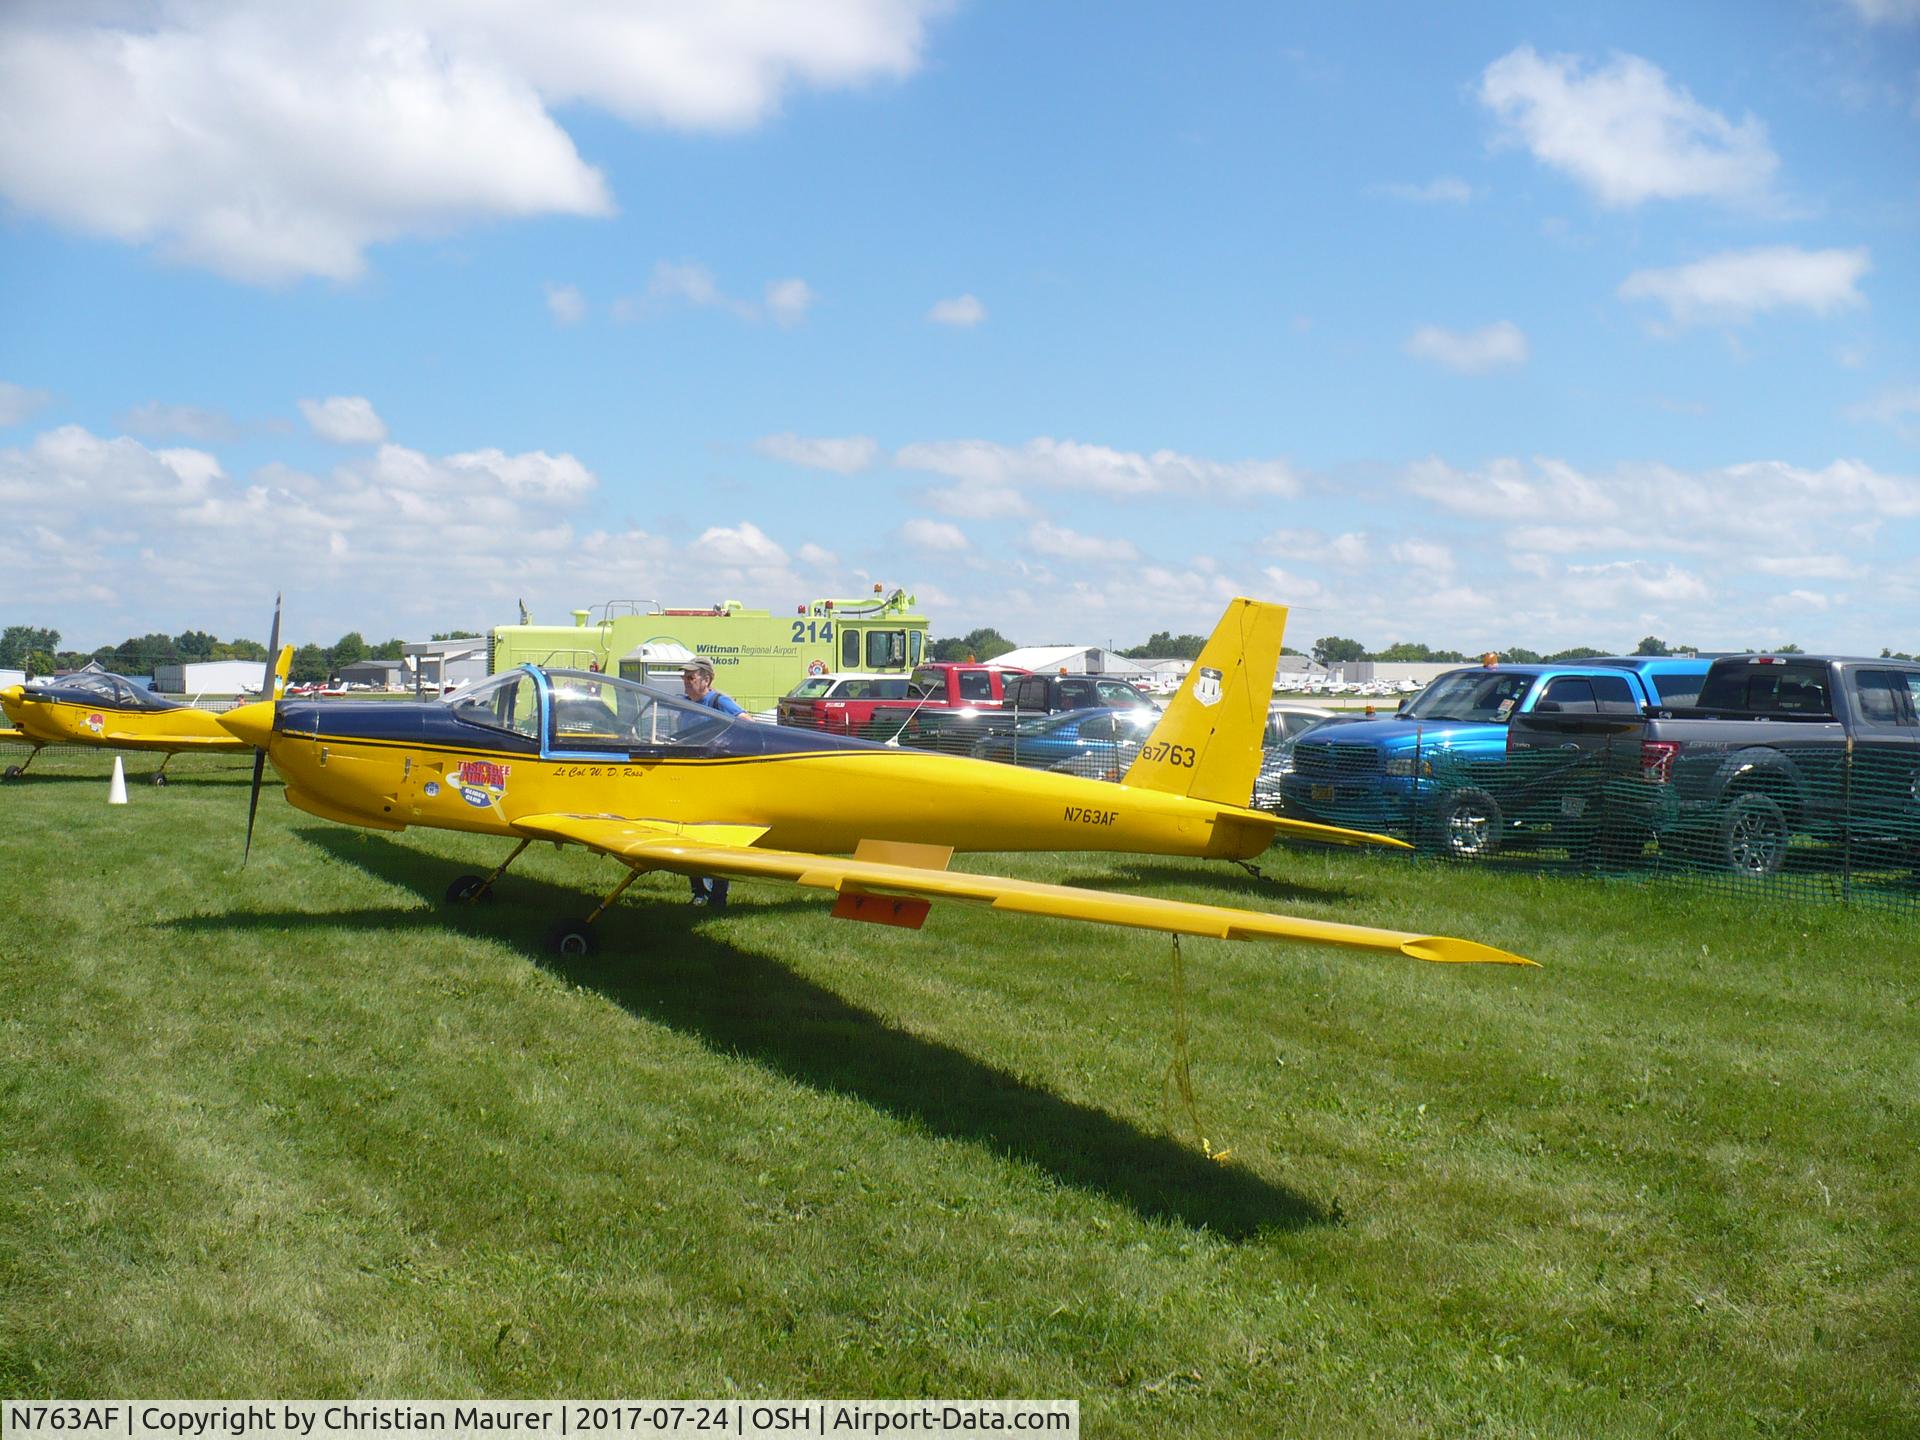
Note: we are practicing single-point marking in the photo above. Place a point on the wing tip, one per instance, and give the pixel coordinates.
(1449, 950)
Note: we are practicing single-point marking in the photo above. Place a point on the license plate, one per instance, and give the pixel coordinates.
(1323, 792)
(1573, 806)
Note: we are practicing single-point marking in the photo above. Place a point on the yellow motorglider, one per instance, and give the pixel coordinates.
(661, 783)
(109, 712)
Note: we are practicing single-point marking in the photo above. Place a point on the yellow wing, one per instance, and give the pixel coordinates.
(727, 850)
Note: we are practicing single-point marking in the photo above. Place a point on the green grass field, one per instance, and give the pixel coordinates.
(299, 1130)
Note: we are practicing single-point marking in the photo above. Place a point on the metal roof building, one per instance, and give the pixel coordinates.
(1074, 659)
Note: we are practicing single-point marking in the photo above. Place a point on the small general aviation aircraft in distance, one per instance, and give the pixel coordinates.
(104, 711)
(661, 783)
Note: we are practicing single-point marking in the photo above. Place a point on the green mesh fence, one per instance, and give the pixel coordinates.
(1800, 819)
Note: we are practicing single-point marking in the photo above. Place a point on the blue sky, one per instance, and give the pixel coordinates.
(1476, 326)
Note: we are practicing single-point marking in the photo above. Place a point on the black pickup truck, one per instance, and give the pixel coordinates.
(1777, 746)
(1027, 697)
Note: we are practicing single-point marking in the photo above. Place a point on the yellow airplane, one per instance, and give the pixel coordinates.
(105, 711)
(661, 783)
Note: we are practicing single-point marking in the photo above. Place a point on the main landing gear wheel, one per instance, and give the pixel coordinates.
(468, 887)
(15, 771)
(572, 939)
(157, 779)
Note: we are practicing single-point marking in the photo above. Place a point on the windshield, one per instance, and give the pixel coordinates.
(1487, 697)
(600, 712)
(811, 688)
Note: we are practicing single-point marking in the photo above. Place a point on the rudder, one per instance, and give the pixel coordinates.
(1207, 744)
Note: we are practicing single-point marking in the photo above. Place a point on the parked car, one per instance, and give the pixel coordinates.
(842, 703)
(1435, 769)
(1098, 742)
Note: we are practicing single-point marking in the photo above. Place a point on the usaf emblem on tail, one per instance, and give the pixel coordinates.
(1207, 688)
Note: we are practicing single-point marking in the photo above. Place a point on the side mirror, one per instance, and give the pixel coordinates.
(1401, 706)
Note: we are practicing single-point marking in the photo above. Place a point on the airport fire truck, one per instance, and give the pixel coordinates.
(757, 655)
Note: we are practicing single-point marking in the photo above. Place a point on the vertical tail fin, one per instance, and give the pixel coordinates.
(1207, 744)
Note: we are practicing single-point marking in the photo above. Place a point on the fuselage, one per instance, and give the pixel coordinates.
(395, 765)
(57, 715)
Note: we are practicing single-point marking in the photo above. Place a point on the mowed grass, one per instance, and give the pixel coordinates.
(299, 1129)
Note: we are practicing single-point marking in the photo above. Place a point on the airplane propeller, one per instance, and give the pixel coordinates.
(272, 681)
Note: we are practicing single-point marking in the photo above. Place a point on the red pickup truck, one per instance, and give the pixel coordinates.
(876, 706)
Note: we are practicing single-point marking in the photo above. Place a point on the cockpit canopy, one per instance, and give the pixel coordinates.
(109, 691)
(586, 711)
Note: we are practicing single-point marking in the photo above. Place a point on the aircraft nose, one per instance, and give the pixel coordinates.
(251, 723)
(13, 693)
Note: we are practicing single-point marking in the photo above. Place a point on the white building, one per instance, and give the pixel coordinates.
(210, 677)
(432, 665)
(1074, 659)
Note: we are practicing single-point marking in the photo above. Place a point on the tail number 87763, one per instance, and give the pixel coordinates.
(1162, 753)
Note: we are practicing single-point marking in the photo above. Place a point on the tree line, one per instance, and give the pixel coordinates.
(987, 644)
(37, 651)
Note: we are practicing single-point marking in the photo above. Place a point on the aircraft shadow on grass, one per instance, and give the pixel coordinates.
(662, 963)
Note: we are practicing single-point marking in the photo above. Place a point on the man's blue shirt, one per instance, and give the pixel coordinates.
(725, 704)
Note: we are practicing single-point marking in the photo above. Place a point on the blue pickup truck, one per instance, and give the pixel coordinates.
(1433, 771)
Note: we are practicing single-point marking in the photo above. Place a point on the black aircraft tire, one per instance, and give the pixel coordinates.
(1753, 835)
(572, 940)
(14, 772)
(468, 887)
(1467, 825)
(157, 780)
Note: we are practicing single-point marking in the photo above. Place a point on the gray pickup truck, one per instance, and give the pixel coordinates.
(1777, 746)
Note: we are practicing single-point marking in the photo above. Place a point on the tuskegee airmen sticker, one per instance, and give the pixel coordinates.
(481, 783)
(1207, 688)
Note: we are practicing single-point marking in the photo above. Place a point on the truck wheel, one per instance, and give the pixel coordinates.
(1753, 835)
(1467, 825)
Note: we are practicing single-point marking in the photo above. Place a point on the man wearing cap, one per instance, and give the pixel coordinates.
(697, 681)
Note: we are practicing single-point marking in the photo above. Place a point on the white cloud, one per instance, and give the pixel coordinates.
(18, 403)
(192, 421)
(1887, 12)
(1472, 352)
(1351, 549)
(1070, 465)
(345, 420)
(1420, 554)
(962, 311)
(978, 502)
(788, 301)
(1290, 588)
(843, 456)
(280, 142)
(817, 558)
(566, 304)
(1442, 190)
(1736, 285)
(1624, 131)
(744, 546)
(1898, 408)
(687, 282)
(936, 535)
(1046, 538)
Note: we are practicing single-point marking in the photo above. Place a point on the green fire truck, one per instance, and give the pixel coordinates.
(757, 656)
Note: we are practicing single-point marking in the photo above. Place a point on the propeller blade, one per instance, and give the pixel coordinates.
(260, 756)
